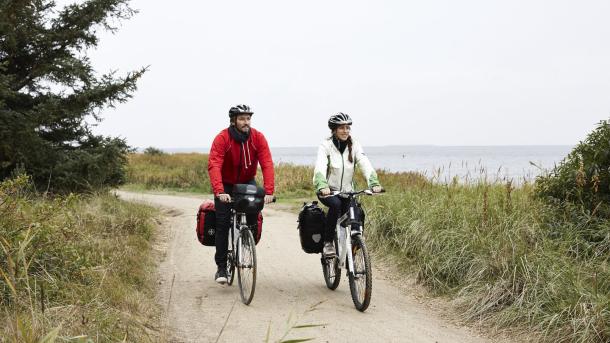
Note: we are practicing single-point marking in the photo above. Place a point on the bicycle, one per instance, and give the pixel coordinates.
(241, 254)
(358, 262)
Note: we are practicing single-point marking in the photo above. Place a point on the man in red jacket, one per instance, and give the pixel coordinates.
(234, 157)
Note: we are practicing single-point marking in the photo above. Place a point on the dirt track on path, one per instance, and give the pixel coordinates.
(290, 290)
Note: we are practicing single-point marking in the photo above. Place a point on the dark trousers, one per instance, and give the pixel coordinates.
(223, 224)
(336, 207)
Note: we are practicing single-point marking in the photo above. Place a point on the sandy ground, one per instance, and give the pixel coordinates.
(290, 291)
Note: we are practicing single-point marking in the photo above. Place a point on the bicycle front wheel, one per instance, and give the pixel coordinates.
(331, 271)
(246, 265)
(230, 268)
(361, 280)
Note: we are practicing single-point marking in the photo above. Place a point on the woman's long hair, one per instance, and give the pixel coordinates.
(349, 148)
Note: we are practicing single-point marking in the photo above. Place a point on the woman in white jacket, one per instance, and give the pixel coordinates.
(337, 157)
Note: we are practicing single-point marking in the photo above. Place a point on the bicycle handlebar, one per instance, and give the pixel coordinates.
(354, 193)
(232, 202)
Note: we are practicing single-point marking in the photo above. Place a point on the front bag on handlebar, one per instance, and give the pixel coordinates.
(248, 199)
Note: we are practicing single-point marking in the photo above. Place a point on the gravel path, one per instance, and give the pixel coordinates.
(290, 290)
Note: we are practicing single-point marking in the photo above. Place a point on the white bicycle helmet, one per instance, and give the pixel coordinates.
(337, 119)
(239, 109)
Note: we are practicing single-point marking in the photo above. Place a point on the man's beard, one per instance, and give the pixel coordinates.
(244, 129)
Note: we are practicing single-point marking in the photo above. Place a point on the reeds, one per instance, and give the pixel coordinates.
(504, 256)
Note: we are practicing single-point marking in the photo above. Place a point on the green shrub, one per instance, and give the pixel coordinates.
(153, 151)
(583, 177)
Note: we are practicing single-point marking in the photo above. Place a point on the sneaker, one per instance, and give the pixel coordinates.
(221, 275)
(328, 250)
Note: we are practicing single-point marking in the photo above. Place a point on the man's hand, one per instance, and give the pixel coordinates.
(224, 197)
(377, 189)
(269, 198)
(325, 191)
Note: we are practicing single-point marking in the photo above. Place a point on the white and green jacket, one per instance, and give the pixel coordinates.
(335, 171)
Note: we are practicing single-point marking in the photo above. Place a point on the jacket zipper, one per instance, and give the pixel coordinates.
(342, 170)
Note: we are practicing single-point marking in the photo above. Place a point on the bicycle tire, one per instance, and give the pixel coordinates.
(246, 265)
(331, 271)
(361, 281)
(230, 268)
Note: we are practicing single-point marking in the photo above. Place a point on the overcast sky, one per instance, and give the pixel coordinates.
(408, 72)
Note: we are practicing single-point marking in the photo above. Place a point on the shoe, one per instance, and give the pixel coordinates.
(221, 275)
(329, 250)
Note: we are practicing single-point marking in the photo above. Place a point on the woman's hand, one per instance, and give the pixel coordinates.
(377, 189)
(325, 191)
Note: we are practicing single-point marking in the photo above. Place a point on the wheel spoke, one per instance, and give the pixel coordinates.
(330, 269)
(246, 266)
(360, 280)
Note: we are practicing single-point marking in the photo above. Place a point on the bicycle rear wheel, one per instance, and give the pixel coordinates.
(361, 281)
(246, 265)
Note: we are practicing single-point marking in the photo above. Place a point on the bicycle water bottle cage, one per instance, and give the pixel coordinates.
(248, 199)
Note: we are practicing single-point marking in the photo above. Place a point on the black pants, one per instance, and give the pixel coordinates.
(223, 224)
(336, 207)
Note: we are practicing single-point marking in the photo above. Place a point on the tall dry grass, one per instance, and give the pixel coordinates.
(74, 268)
(506, 257)
(189, 173)
(183, 172)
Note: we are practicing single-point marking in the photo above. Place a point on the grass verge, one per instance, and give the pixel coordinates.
(75, 268)
(503, 256)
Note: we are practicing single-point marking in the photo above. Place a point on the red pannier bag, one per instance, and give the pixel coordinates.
(206, 224)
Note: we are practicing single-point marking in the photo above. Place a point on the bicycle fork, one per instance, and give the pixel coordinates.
(344, 250)
(237, 234)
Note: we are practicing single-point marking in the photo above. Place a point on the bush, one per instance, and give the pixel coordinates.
(153, 151)
(583, 177)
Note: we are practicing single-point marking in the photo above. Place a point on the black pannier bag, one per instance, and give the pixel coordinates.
(248, 199)
(311, 228)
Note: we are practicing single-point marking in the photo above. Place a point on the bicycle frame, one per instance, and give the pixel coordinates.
(235, 230)
(349, 218)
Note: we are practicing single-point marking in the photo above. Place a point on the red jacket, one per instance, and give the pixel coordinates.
(228, 157)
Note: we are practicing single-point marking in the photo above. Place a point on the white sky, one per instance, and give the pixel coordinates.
(408, 72)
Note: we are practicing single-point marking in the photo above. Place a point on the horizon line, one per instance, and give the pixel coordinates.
(388, 146)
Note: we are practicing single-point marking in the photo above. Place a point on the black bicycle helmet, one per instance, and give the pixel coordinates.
(240, 109)
(337, 119)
